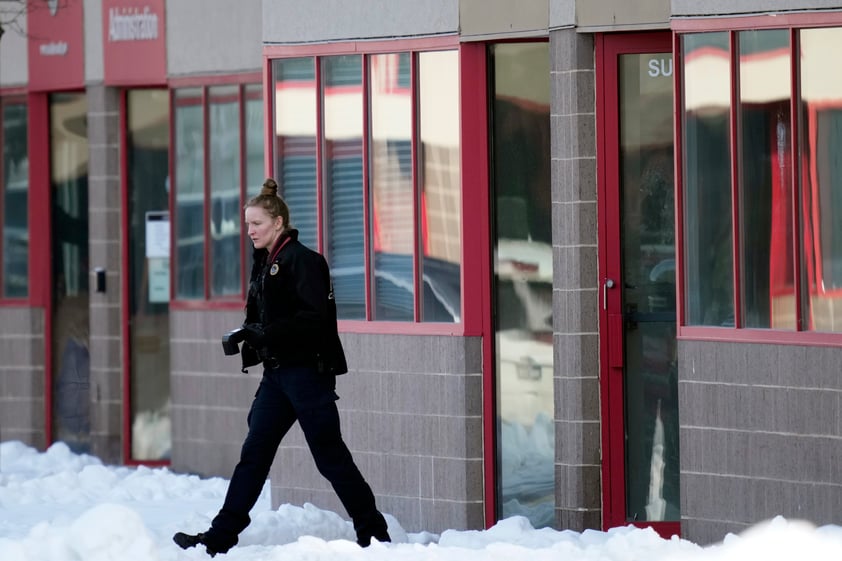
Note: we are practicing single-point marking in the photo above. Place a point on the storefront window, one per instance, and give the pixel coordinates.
(381, 199)
(343, 179)
(189, 195)
(225, 210)
(523, 281)
(391, 204)
(295, 142)
(708, 236)
(227, 121)
(821, 179)
(788, 273)
(768, 292)
(440, 176)
(14, 191)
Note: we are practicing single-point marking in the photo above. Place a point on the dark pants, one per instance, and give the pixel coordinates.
(284, 396)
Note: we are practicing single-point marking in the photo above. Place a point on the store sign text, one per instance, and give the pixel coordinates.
(130, 24)
(56, 48)
(662, 67)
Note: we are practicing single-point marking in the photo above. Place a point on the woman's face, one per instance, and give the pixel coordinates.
(263, 230)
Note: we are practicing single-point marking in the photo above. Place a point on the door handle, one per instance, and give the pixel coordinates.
(609, 283)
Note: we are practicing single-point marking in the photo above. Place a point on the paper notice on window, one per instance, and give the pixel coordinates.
(158, 234)
(159, 279)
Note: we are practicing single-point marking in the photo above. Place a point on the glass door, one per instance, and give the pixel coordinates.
(147, 192)
(70, 374)
(638, 267)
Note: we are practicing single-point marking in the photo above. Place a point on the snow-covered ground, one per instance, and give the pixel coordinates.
(58, 506)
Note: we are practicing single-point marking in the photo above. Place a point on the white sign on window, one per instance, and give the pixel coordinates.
(158, 233)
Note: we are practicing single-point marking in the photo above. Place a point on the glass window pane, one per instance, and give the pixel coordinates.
(439, 170)
(295, 142)
(255, 174)
(343, 181)
(189, 194)
(392, 206)
(821, 189)
(14, 191)
(708, 249)
(147, 154)
(225, 210)
(254, 139)
(523, 280)
(768, 290)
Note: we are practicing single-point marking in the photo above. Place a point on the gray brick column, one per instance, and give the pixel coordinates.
(575, 281)
(105, 251)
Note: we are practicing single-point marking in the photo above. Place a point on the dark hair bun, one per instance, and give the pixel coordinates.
(269, 187)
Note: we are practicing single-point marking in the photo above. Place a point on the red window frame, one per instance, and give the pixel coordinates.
(792, 22)
(208, 302)
(15, 97)
(473, 129)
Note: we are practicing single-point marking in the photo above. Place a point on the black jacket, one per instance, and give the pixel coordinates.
(291, 297)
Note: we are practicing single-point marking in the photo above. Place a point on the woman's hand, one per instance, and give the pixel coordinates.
(254, 336)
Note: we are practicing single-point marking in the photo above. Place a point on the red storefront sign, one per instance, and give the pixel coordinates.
(56, 44)
(134, 42)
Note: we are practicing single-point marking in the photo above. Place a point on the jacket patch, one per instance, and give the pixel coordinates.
(273, 270)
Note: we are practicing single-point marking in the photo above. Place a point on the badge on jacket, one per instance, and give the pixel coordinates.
(273, 270)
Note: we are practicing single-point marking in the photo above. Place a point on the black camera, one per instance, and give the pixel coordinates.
(232, 340)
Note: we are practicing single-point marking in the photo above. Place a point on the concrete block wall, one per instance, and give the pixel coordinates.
(411, 411)
(575, 281)
(210, 396)
(761, 435)
(104, 235)
(22, 404)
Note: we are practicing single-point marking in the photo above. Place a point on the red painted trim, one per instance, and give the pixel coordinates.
(400, 328)
(734, 140)
(476, 246)
(320, 151)
(829, 18)
(664, 529)
(368, 249)
(438, 42)
(125, 281)
(40, 265)
(678, 136)
(206, 192)
(766, 336)
(270, 149)
(13, 91)
(795, 156)
(207, 305)
(417, 266)
(171, 198)
(244, 275)
(214, 80)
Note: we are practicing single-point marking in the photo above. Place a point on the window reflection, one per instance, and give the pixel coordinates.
(523, 281)
(439, 172)
(707, 184)
(821, 188)
(225, 210)
(14, 191)
(392, 204)
(343, 182)
(768, 292)
(147, 154)
(295, 142)
(189, 194)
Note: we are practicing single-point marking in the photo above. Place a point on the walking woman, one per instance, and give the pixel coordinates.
(290, 328)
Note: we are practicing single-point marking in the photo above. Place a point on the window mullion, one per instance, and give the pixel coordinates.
(416, 194)
(321, 230)
(243, 187)
(206, 215)
(736, 146)
(795, 146)
(368, 263)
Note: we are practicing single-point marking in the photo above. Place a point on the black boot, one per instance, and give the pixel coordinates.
(213, 542)
(375, 528)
